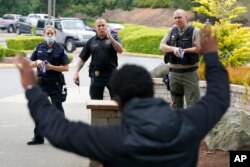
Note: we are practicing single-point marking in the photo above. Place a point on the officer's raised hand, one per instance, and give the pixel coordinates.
(117, 46)
(28, 77)
(109, 35)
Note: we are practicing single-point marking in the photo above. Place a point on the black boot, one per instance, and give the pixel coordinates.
(36, 140)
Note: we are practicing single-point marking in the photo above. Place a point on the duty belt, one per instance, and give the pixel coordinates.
(97, 73)
(178, 70)
(48, 79)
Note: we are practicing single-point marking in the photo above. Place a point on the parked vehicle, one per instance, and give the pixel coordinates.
(8, 22)
(71, 33)
(114, 27)
(23, 25)
(34, 17)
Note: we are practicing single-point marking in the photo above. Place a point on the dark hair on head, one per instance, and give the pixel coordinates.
(131, 81)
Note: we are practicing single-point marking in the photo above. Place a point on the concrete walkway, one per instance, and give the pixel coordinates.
(16, 128)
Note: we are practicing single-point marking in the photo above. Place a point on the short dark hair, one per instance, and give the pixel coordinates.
(131, 81)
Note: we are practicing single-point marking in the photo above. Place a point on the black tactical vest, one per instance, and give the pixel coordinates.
(183, 41)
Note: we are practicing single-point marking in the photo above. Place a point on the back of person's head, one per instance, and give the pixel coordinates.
(129, 82)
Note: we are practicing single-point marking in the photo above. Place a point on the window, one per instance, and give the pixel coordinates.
(73, 25)
(58, 25)
(35, 16)
(40, 24)
(11, 17)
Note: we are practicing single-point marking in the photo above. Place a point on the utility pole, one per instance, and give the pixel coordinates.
(54, 8)
(49, 8)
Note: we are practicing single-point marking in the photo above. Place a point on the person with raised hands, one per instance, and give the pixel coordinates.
(150, 133)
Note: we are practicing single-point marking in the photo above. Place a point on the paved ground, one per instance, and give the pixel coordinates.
(16, 127)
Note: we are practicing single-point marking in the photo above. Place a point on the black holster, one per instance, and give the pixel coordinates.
(166, 81)
(64, 87)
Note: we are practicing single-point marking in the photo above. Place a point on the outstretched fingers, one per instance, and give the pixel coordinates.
(205, 35)
(208, 40)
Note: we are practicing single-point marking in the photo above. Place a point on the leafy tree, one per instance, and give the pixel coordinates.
(152, 3)
(233, 38)
(183, 4)
(15, 6)
(220, 9)
(39, 6)
(124, 4)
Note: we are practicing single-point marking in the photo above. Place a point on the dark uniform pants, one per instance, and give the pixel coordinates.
(53, 88)
(98, 84)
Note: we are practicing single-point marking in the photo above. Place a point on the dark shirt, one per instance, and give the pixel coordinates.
(55, 55)
(150, 133)
(103, 54)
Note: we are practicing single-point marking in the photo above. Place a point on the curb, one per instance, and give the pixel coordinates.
(7, 65)
(142, 55)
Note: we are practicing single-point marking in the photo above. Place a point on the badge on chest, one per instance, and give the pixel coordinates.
(97, 73)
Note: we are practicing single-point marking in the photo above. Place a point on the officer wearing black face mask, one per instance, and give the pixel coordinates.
(103, 49)
(50, 60)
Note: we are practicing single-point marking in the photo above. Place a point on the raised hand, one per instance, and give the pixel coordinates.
(208, 42)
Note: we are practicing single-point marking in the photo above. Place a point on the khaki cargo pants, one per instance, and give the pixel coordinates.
(184, 85)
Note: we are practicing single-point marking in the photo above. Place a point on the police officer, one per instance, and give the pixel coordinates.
(103, 50)
(181, 45)
(50, 59)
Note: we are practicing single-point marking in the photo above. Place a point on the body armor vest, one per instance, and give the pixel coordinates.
(183, 41)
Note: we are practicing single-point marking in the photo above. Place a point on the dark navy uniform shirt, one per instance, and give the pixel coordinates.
(103, 54)
(55, 56)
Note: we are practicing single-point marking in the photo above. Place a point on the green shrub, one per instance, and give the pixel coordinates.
(2, 50)
(233, 38)
(142, 39)
(148, 44)
(70, 57)
(24, 42)
(233, 42)
(129, 28)
(152, 3)
(12, 53)
(33, 30)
